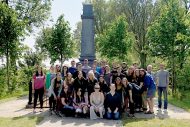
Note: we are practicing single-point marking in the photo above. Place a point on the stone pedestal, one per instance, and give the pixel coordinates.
(87, 34)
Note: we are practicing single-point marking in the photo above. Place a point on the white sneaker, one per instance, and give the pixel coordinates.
(165, 110)
(159, 109)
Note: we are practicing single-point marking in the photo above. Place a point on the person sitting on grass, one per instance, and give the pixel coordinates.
(97, 103)
(112, 104)
(80, 103)
(67, 102)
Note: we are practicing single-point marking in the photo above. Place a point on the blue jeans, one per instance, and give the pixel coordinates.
(164, 91)
(114, 116)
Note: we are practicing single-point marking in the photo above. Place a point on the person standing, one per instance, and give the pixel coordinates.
(72, 69)
(162, 81)
(151, 89)
(38, 87)
(54, 93)
(149, 71)
(85, 67)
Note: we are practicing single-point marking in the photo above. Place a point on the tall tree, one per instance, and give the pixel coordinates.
(140, 14)
(57, 41)
(10, 30)
(32, 12)
(169, 36)
(116, 40)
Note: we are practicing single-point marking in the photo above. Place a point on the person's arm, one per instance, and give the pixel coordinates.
(91, 101)
(131, 96)
(60, 88)
(52, 88)
(167, 78)
(102, 100)
(44, 83)
(63, 101)
(32, 85)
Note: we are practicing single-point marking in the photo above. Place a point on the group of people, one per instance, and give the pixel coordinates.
(100, 91)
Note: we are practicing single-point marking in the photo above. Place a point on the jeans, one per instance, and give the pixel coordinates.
(40, 93)
(164, 91)
(114, 116)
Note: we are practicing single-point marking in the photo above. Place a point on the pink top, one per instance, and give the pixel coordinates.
(39, 81)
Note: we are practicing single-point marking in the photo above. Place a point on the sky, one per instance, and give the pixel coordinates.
(72, 10)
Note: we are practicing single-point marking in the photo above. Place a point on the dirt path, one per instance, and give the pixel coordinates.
(15, 108)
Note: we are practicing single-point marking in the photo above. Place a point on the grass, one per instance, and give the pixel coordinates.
(182, 103)
(12, 96)
(155, 123)
(20, 121)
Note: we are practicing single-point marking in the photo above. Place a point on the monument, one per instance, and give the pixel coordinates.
(87, 34)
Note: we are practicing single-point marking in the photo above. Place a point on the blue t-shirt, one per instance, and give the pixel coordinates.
(149, 82)
(72, 70)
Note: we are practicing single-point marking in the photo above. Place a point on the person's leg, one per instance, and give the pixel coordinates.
(51, 98)
(165, 98)
(101, 112)
(30, 93)
(131, 106)
(126, 103)
(109, 115)
(144, 100)
(159, 97)
(92, 113)
(36, 92)
(41, 94)
(152, 104)
(116, 116)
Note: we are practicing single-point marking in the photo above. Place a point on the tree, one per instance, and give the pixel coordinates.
(115, 41)
(32, 12)
(169, 36)
(10, 30)
(43, 41)
(77, 37)
(57, 41)
(140, 14)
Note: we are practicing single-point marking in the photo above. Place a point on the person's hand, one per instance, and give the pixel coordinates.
(58, 97)
(131, 100)
(109, 110)
(33, 90)
(115, 111)
(55, 98)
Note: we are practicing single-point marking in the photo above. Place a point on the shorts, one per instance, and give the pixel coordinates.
(151, 93)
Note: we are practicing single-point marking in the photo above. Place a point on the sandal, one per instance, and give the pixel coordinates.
(149, 112)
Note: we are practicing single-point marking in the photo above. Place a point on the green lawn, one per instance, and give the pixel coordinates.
(20, 121)
(184, 103)
(155, 123)
(12, 96)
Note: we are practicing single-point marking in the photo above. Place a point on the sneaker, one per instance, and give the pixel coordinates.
(41, 110)
(34, 111)
(159, 109)
(165, 110)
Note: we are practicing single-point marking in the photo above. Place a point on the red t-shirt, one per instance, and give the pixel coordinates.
(38, 81)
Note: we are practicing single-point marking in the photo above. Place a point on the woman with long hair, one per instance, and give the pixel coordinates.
(38, 86)
(91, 81)
(104, 88)
(80, 103)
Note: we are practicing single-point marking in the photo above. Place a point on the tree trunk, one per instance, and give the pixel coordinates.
(7, 59)
(143, 60)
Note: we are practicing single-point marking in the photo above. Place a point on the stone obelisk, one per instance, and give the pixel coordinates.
(87, 34)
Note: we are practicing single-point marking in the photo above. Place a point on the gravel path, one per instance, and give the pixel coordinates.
(15, 108)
